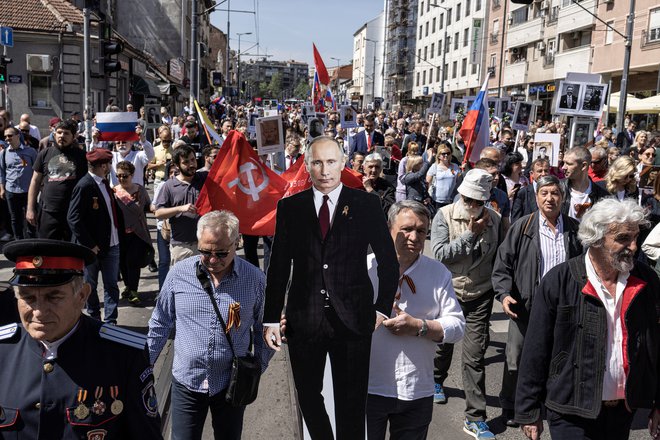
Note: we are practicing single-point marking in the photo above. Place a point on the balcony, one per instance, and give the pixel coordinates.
(524, 33)
(650, 39)
(515, 73)
(572, 17)
(574, 60)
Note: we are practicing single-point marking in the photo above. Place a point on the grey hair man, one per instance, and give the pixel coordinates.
(425, 313)
(464, 237)
(533, 245)
(599, 164)
(201, 370)
(594, 321)
(373, 181)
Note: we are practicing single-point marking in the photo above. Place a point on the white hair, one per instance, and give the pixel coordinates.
(217, 221)
(374, 157)
(609, 211)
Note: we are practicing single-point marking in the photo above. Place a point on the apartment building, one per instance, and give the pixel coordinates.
(368, 58)
(400, 41)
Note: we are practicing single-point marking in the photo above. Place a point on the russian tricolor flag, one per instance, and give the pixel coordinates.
(117, 126)
(474, 130)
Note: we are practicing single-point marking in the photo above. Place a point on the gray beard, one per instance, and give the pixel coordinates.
(622, 261)
(468, 212)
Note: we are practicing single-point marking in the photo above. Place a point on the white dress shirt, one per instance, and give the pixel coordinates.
(553, 251)
(332, 202)
(614, 379)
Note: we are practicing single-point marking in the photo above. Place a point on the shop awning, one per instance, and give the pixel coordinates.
(145, 86)
(646, 105)
(614, 101)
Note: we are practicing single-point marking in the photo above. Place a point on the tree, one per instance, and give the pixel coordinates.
(275, 86)
(302, 90)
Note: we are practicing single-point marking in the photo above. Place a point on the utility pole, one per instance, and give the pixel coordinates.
(227, 82)
(86, 80)
(194, 61)
(630, 22)
(238, 56)
(373, 74)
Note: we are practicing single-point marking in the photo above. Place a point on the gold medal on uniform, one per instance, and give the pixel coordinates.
(95, 203)
(99, 407)
(81, 411)
(117, 406)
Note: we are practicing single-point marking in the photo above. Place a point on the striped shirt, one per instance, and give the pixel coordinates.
(553, 250)
(202, 356)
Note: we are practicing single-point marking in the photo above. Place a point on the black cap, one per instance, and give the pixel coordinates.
(42, 262)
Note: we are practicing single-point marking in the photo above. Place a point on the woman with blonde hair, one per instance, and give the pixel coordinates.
(621, 178)
(442, 177)
(413, 150)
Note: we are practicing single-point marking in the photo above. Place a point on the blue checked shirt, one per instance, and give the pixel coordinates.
(202, 356)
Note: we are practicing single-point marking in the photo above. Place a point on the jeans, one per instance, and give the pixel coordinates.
(409, 419)
(611, 424)
(17, 204)
(475, 341)
(163, 258)
(189, 410)
(107, 263)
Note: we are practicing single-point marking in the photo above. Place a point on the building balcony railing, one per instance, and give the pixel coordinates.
(515, 73)
(650, 38)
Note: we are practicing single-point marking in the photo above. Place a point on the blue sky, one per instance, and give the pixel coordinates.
(287, 28)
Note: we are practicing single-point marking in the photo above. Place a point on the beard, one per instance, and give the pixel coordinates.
(622, 261)
(467, 211)
(188, 172)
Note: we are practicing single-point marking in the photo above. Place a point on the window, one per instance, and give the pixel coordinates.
(519, 16)
(439, 47)
(417, 80)
(445, 72)
(419, 54)
(420, 31)
(493, 60)
(456, 41)
(477, 6)
(609, 33)
(424, 78)
(464, 67)
(441, 24)
(437, 74)
(448, 16)
(654, 25)
(40, 91)
(466, 37)
(426, 29)
(432, 49)
(433, 26)
(421, 9)
(458, 12)
(467, 8)
(428, 6)
(473, 69)
(426, 48)
(454, 69)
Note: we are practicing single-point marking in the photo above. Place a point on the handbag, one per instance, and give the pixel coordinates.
(245, 370)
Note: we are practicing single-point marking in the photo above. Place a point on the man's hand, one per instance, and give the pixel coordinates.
(534, 430)
(477, 226)
(402, 324)
(283, 327)
(96, 250)
(2, 192)
(507, 302)
(366, 182)
(379, 320)
(188, 208)
(273, 337)
(30, 216)
(654, 424)
(140, 133)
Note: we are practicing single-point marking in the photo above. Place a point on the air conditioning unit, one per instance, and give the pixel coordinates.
(540, 45)
(515, 51)
(38, 63)
(545, 5)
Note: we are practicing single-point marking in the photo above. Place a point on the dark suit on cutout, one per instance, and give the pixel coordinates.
(360, 144)
(340, 323)
(563, 102)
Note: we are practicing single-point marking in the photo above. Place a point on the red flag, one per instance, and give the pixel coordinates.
(324, 78)
(240, 183)
(298, 178)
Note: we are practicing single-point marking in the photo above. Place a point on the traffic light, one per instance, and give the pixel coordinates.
(3, 68)
(216, 79)
(108, 49)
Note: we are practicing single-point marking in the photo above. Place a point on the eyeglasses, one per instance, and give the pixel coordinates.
(217, 254)
(123, 176)
(25, 131)
(469, 201)
(593, 162)
(444, 154)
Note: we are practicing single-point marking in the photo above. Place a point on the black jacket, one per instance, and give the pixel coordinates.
(415, 182)
(597, 193)
(524, 203)
(563, 360)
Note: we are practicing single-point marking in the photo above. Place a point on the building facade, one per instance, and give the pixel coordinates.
(368, 59)
(400, 43)
(257, 71)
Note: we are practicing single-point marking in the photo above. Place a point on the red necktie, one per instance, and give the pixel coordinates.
(112, 205)
(324, 216)
(368, 141)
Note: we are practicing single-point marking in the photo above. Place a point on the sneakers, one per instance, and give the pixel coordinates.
(439, 396)
(478, 430)
(131, 296)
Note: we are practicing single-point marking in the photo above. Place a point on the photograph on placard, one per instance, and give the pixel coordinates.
(582, 132)
(458, 107)
(307, 112)
(546, 146)
(437, 102)
(270, 135)
(648, 176)
(252, 123)
(271, 112)
(502, 106)
(469, 101)
(347, 116)
(315, 127)
(569, 93)
(592, 100)
(492, 106)
(522, 115)
(152, 114)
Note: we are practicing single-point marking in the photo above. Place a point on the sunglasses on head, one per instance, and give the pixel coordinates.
(217, 254)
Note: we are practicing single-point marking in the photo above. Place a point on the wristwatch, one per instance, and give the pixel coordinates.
(424, 330)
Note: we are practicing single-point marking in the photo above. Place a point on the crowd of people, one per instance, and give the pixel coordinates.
(569, 247)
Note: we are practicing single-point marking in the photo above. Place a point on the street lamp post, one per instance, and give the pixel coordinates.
(337, 77)
(238, 71)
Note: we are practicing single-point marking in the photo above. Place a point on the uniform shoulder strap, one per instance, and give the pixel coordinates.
(7, 331)
(123, 336)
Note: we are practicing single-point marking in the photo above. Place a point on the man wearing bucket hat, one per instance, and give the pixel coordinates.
(66, 375)
(465, 236)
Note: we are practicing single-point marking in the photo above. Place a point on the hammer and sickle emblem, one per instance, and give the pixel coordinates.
(252, 189)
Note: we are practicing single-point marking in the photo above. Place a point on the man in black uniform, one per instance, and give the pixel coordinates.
(65, 375)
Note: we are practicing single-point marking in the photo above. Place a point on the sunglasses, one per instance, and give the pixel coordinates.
(444, 154)
(598, 161)
(218, 254)
(469, 201)
(25, 131)
(123, 176)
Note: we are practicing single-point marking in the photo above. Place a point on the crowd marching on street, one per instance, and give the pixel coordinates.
(570, 247)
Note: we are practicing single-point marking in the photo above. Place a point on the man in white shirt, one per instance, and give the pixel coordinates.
(581, 193)
(139, 154)
(592, 346)
(425, 313)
